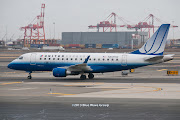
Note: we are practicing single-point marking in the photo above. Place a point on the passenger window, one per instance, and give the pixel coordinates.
(75, 58)
(66, 58)
(71, 59)
(58, 55)
(81, 59)
(53, 58)
(44, 58)
(58, 59)
(49, 58)
(94, 59)
(112, 59)
(52, 55)
(55, 55)
(45, 55)
(62, 55)
(40, 58)
(116, 59)
(62, 58)
(103, 59)
(107, 59)
(99, 59)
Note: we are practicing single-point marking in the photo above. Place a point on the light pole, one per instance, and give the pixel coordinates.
(54, 29)
(133, 35)
(173, 29)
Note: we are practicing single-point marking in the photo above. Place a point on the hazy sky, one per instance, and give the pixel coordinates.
(77, 15)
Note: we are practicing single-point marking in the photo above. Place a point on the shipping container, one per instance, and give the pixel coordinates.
(53, 48)
(110, 46)
(82, 45)
(90, 45)
(38, 45)
(66, 46)
(74, 45)
(98, 45)
(54, 44)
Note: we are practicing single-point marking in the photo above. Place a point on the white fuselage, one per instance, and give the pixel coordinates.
(99, 62)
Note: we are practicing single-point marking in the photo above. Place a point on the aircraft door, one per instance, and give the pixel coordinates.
(124, 60)
(33, 59)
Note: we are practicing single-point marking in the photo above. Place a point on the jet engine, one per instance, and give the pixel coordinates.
(59, 72)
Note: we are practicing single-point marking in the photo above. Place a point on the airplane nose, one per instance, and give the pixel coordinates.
(10, 66)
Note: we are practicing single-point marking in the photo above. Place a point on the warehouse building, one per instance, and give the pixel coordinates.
(123, 39)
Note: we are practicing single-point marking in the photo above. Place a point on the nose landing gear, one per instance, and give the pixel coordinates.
(29, 76)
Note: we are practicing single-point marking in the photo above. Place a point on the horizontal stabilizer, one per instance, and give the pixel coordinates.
(154, 59)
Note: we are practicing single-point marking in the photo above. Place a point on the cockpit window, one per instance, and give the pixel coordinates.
(21, 57)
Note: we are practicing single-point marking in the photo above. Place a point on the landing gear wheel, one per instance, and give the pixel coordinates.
(29, 77)
(91, 76)
(83, 77)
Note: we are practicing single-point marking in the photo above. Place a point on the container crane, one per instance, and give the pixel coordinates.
(34, 32)
(144, 24)
(107, 24)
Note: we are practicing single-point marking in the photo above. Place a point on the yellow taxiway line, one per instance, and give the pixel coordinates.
(162, 69)
(7, 57)
(10, 55)
(60, 94)
(9, 83)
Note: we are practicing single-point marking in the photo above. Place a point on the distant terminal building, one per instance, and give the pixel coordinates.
(120, 39)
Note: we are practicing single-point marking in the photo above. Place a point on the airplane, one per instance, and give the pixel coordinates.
(64, 64)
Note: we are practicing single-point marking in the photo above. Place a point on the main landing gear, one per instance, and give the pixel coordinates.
(29, 76)
(83, 77)
(90, 76)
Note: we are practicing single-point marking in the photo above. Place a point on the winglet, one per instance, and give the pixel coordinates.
(86, 60)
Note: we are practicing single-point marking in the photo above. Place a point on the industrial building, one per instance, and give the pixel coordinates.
(123, 39)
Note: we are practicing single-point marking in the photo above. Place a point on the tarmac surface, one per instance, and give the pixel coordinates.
(148, 93)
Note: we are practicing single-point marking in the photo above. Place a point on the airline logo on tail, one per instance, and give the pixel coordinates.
(156, 44)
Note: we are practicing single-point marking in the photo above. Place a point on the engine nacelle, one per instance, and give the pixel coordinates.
(59, 72)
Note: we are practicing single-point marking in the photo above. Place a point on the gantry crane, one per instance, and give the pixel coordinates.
(107, 24)
(143, 25)
(34, 32)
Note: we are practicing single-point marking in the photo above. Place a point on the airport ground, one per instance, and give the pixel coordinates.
(148, 93)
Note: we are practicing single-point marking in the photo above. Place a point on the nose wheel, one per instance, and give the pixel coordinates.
(29, 76)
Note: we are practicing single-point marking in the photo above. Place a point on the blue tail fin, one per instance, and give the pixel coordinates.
(156, 44)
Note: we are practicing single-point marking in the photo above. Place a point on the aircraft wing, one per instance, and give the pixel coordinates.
(80, 67)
